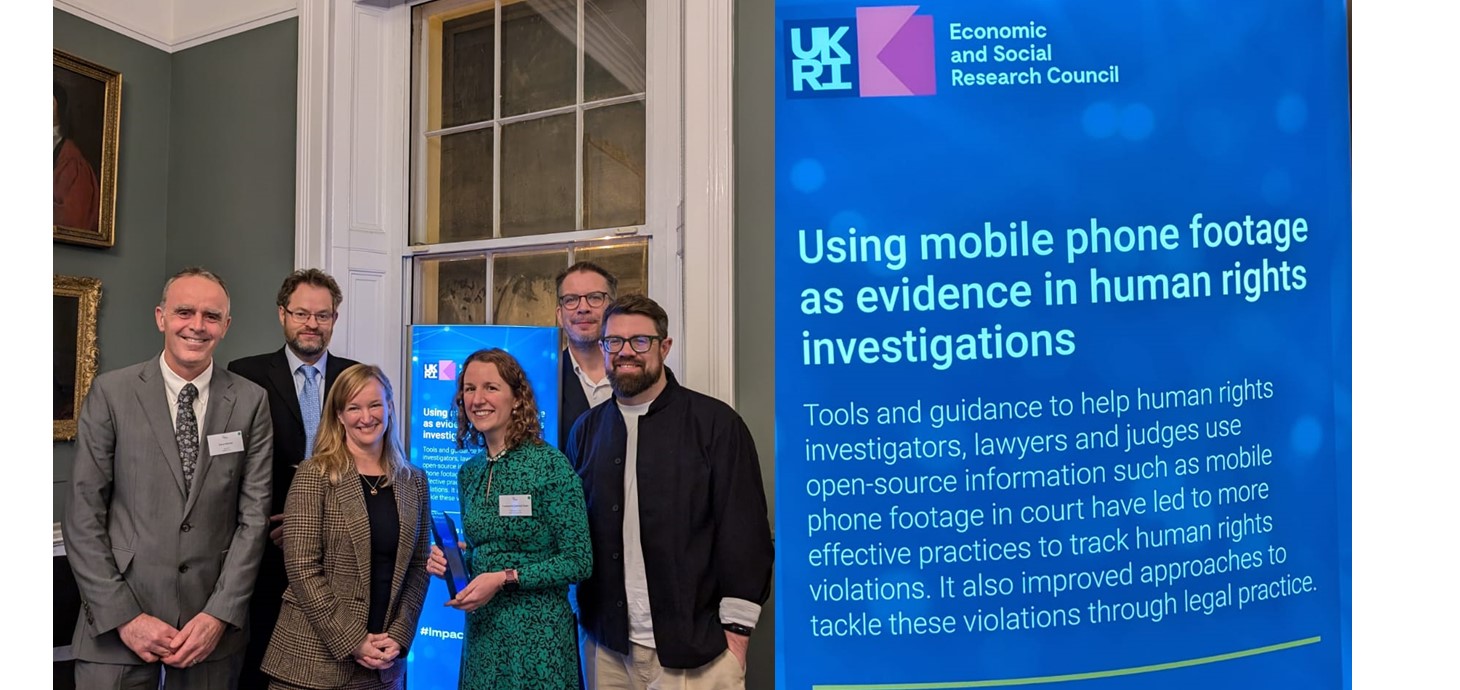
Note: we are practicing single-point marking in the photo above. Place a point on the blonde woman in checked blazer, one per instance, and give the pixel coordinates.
(355, 544)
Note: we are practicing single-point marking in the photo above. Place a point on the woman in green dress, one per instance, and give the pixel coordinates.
(526, 535)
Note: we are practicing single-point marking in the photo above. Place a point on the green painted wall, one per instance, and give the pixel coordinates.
(755, 197)
(230, 203)
(205, 176)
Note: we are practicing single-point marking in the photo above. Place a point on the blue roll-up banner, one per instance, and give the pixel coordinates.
(437, 353)
(1062, 344)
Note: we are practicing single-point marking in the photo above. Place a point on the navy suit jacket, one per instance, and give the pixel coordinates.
(271, 371)
(573, 404)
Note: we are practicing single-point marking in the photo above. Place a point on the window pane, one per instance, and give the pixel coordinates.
(466, 186)
(453, 291)
(539, 55)
(537, 176)
(524, 287)
(613, 51)
(466, 69)
(613, 166)
(629, 262)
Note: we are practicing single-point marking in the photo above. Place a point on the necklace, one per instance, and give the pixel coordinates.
(492, 467)
(375, 485)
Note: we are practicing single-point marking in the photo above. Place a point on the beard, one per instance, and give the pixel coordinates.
(304, 349)
(630, 385)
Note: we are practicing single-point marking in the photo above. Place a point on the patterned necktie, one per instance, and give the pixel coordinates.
(187, 433)
(309, 406)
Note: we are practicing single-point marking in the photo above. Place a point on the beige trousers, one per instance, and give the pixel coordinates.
(605, 669)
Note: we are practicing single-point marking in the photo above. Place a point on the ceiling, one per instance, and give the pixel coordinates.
(173, 25)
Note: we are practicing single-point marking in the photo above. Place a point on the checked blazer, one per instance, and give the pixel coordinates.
(327, 555)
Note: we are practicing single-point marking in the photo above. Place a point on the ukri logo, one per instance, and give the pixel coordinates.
(820, 62)
(894, 55)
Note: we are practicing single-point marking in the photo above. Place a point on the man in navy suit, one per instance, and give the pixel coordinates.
(297, 377)
(585, 290)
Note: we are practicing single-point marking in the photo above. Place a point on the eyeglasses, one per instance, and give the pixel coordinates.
(641, 343)
(322, 318)
(595, 300)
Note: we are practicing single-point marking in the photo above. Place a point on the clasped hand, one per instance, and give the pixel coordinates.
(377, 652)
(153, 640)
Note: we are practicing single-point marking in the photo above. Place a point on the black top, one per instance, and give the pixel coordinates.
(384, 533)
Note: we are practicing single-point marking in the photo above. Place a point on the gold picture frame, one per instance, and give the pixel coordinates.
(86, 109)
(73, 364)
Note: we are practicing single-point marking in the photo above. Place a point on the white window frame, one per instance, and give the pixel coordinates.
(662, 180)
(353, 181)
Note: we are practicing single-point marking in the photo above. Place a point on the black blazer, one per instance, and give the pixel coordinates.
(573, 402)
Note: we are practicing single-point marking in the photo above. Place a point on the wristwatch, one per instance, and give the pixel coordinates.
(510, 584)
(738, 629)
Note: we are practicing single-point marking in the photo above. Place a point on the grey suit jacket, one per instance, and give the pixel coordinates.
(137, 542)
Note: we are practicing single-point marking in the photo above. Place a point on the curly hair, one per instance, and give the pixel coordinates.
(525, 425)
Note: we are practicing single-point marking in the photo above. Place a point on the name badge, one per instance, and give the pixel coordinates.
(514, 505)
(224, 443)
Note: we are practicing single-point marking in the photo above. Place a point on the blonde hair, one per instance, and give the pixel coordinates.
(331, 455)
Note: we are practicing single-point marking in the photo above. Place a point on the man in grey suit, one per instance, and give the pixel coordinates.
(169, 505)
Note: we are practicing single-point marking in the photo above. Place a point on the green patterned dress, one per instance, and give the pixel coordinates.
(527, 638)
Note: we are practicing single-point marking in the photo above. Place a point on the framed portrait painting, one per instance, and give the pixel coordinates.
(73, 363)
(86, 107)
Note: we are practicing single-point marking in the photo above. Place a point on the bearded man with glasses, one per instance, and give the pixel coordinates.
(682, 546)
(297, 378)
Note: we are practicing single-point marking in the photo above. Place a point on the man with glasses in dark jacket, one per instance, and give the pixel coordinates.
(584, 291)
(682, 546)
